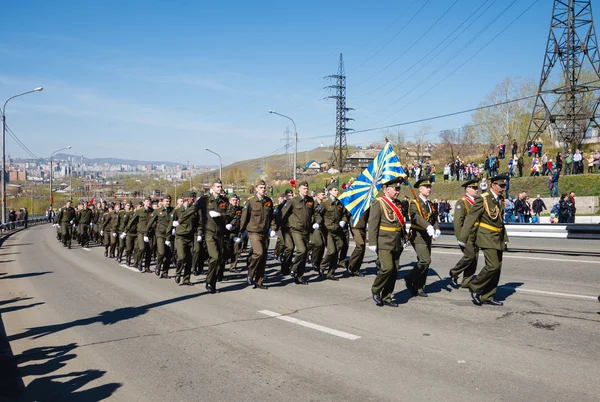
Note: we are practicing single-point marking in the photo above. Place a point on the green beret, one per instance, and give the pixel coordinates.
(303, 183)
(186, 194)
(319, 190)
(332, 186)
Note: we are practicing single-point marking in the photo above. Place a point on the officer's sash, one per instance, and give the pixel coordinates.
(469, 200)
(394, 208)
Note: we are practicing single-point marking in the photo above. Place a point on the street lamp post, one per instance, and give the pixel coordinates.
(220, 163)
(51, 156)
(295, 139)
(4, 150)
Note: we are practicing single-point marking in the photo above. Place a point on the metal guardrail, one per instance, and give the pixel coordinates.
(545, 230)
(10, 227)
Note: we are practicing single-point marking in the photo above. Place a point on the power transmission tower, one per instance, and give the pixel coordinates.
(566, 102)
(340, 147)
(288, 147)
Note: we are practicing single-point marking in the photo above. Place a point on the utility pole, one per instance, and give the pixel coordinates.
(288, 146)
(566, 102)
(340, 146)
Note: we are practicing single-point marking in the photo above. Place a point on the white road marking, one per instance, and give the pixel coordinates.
(307, 324)
(543, 292)
(86, 249)
(129, 268)
(530, 258)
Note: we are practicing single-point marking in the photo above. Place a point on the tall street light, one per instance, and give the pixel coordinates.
(4, 149)
(51, 156)
(220, 163)
(295, 139)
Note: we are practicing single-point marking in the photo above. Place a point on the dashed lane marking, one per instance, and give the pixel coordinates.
(310, 325)
(86, 249)
(129, 268)
(543, 292)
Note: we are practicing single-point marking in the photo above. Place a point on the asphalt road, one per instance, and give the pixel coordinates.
(84, 328)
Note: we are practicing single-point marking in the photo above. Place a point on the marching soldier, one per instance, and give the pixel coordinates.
(218, 212)
(468, 263)
(160, 221)
(297, 214)
(66, 220)
(334, 219)
(285, 240)
(424, 228)
(188, 221)
(131, 235)
(105, 229)
(359, 232)
(96, 223)
(84, 221)
(140, 219)
(319, 235)
(114, 229)
(124, 216)
(258, 219)
(387, 233)
(235, 223)
(487, 231)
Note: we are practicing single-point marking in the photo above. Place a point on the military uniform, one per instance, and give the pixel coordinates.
(105, 229)
(83, 225)
(236, 247)
(258, 219)
(190, 221)
(297, 214)
(161, 220)
(468, 263)
(486, 220)
(387, 232)
(140, 219)
(422, 215)
(130, 237)
(359, 232)
(318, 237)
(121, 233)
(66, 220)
(334, 218)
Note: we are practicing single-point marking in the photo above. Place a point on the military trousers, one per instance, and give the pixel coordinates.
(214, 246)
(84, 238)
(286, 251)
(344, 249)
(122, 243)
(130, 245)
(258, 260)
(163, 255)
(385, 281)
(184, 245)
(358, 255)
(335, 243)
(418, 275)
(317, 242)
(467, 265)
(486, 282)
(198, 255)
(66, 232)
(300, 243)
(237, 250)
(143, 256)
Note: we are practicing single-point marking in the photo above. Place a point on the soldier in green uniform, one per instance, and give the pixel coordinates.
(96, 223)
(140, 220)
(284, 234)
(277, 252)
(258, 220)
(131, 235)
(487, 231)
(66, 220)
(160, 221)
(218, 212)
(124, 216)
(188, 221)
(114, 229)
(83, 225)
(319, 235)
(105, 228)
(297, 215)
(359, 232)
(468, 263)
(235, 232)
(424, 228)
(387, 233)
(334, 219)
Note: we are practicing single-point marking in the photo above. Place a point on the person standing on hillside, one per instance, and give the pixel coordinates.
(538, 207)
(554, 181)
(520, 164)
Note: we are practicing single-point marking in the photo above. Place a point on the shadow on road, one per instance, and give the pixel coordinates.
(16, 245)
(17, 308)
(105, 318)
(507, 290)
(27, 275)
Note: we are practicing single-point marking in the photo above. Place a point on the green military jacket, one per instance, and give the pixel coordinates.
(140, 218)
(190, 220)
(386, 230)
(298, 214)
(334, 213)
(66, 215)
(129, 229)
(114, 221)
(484, 225)
(160, 220)
(123, 219)
(258, 216)
(236, 220)
(362, 221)
(85, 216)
(106, 221)
(220, 204)
(461, 210)
(422, 214)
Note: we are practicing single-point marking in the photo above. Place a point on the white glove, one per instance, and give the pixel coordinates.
(199, 238)
(173, 232)
(438, 233)
(71, 222)
(175, 224)
(236, 239)
(91, 225)
(102, 233)
(460, 243)
(342, 224)
(146, 239)
(373, 248)
(123, 235)
(213, 214)
(229, 226)
(167, 243)
(114, 235)
(430, 231)
(316, 226)
(272, 234)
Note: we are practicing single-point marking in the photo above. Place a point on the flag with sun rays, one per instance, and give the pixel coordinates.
(358, 197)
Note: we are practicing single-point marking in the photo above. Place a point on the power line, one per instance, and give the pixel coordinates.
(21, 144)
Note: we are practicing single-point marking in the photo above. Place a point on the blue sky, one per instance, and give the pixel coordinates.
(156, 80)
